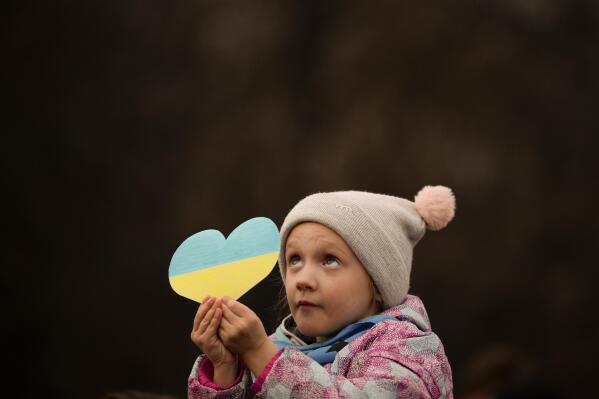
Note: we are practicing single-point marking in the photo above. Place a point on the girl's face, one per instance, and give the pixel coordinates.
(323, 270)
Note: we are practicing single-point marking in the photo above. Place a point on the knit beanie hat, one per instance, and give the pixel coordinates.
(382, 230)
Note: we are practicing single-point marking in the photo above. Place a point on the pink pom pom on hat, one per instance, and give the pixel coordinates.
(382, 230)
(436, 205)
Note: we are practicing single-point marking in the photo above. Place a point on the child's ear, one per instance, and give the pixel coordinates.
(378, 299)
(377, 294)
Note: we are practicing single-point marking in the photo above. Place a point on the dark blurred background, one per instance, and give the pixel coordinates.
(134, 124)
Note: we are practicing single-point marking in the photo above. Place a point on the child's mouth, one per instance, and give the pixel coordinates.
(305, 305)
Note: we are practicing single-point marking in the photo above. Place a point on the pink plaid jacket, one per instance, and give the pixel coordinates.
(399, 358)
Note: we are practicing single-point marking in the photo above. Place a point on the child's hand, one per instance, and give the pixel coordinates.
(240, 329)
(204, 333)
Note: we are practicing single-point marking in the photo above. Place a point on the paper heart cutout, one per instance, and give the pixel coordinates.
(208, 264)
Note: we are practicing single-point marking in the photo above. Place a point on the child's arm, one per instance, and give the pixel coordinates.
(201, 383)
(217, 372)
(257, 359)
(243, 333)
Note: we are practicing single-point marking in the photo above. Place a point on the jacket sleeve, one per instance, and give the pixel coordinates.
(201, 386)
(390, 368)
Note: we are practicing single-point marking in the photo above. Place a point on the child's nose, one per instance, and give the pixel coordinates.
(305, 279)
(303, 285)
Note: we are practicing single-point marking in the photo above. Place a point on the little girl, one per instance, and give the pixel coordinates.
(354, 331)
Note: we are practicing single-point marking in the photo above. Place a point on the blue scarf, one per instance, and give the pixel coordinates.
(325, 352)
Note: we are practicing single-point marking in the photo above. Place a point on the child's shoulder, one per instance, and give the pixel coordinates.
(411, 310)
(409, 322)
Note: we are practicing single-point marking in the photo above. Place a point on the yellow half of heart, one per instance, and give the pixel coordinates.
(233, 279)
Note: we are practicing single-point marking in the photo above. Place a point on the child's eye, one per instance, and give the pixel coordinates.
(330, 260)
(294, 260)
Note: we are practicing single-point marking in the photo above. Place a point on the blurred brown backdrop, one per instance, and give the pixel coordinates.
(134, 124)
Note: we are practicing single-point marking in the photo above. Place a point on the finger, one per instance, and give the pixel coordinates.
(223, 333)
(225, 324)
(225, 329)
(236, 307)
(202, 310)
(211, 330)
(206, 320)
(229, 315)
(218, 302)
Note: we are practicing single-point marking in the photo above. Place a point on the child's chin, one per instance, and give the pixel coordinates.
(308, 332)
(311, 332)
